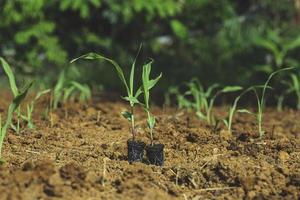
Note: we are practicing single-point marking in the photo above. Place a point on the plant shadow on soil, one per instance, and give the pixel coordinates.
(84, 156)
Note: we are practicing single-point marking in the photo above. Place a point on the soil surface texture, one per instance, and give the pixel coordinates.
(79, 151)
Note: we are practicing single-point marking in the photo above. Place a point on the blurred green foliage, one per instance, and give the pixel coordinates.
(226, 41)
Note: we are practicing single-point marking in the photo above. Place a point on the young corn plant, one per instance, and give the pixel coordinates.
(233, 109)
(182, 101)
(132, 94)
(65, 90)
(14, 89)
(14, 105)
(148, 84)
(30, 109)
(74, 89)
(201, 99)
(12, 108)
(204, 100)
(293, 87)
(261, 100)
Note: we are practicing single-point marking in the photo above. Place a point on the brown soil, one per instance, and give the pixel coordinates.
(83, 156)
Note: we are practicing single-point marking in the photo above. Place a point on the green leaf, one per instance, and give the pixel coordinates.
(67, 93)
(12, 108)
(179, 29)
(231, 89)
(295, 82)
(11, 77)
(138, 92)
(132, 100)
(293, 44)
(225, 122)
(210, 90)
(153, 82)
(244, 111)
(41, 93)
(131, 79)
(92, 56)
(127, 115)
(151, 122)
(84, 89)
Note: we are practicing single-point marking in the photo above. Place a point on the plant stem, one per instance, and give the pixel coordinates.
(133, 132)
(151, 130)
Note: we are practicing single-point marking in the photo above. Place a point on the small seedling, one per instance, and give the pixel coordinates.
(233, 109)
(132, 95)
(148, 84)
(65, 90)
(261, 101)
(58, 91)
(14, 89)
(293, 86)
(204, 100)
(30, 109)
(18, 98)
(76, 88)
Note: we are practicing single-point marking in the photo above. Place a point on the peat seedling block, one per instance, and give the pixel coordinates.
(135, 151)
(155, 154)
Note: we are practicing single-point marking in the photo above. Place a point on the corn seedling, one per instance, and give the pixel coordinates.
(14, 89)
(58, 90)
(30, 109)
(182, 101)
(204, 100)
(77, 89)
(12, 108)
(148, 84)
(132, 95)
(293, 87)
(233, 109)
(18, 98)
(201, 99)
(261, 101)
(65, 90)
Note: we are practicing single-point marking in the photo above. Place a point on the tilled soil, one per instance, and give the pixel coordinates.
(82, 154)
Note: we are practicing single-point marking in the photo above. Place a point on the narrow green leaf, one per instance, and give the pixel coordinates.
(92, 56)
(231, 89)
(244, 111)
(131, 79)
(127, 115)
(11, 77)
(41, 93)
(12, 108)
(153, 82)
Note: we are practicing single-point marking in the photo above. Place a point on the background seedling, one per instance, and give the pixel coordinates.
(204, 100)
(15, 104)
(14, 89)
(181, 100)
(12, 108)
(148, 84)
(293, 86)
(261, 101)
(233, 109)
(30, 108)
(132, 95)
(66, 90)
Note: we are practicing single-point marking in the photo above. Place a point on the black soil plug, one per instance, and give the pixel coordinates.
(135, 151)
(155, 154)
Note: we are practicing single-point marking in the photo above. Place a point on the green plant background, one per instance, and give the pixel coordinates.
(225, 41)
